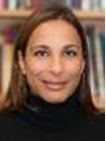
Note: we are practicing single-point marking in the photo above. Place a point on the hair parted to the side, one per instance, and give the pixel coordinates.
(16, 94)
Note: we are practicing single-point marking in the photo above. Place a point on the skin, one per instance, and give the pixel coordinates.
(53, 62)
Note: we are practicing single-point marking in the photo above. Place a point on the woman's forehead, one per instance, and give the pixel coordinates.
(54, 30)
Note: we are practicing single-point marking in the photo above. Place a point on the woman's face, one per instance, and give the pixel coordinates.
(53, 61)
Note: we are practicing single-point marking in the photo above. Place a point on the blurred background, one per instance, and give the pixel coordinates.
(91, 14)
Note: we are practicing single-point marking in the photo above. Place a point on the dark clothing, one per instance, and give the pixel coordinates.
(63, 122)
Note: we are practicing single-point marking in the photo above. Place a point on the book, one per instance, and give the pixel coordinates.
(76, 4)
(50, 2)
(91, 78)
(92, 61)
(12, 4)
(69, 2)
(86, 5)
(28, 4)
(38, 3)
(99, 64)
(25, 4)
(21, 4)
(2, 4)
(102, 41)
(95, 5)
(102, 5)
(97, 81)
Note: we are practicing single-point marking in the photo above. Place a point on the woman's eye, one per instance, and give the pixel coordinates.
(70, 53)
(41, 53)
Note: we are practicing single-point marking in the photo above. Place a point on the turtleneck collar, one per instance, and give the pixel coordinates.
(42, 113)
(36, 104)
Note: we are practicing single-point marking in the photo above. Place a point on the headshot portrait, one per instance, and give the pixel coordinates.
(49, 96)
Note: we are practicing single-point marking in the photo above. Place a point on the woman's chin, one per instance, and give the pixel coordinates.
(55, 100)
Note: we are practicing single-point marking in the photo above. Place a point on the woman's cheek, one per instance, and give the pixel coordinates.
(74, 67)
(37, 67)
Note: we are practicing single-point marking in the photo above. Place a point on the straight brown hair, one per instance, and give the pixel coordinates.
(16, 93)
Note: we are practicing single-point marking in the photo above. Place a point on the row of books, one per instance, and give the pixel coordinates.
(28, 4)
(96, 48)
(18, 4)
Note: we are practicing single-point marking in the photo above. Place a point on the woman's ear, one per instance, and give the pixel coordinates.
(21, 62)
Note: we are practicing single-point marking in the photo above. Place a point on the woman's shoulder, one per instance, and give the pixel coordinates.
(100, 119)
(7, 125)
(6, 117)
(92, 127)
(96, 125)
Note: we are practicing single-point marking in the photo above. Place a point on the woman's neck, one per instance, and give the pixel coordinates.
(36, 104)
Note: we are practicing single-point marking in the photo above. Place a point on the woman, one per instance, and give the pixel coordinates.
(49, 96)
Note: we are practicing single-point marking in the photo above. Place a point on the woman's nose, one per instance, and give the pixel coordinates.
(56, 66)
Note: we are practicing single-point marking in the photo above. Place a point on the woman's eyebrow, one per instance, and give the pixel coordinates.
(39, 46)
(68, 46)
(71, 46)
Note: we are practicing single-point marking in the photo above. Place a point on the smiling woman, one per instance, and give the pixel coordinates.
(49, 91)
(53, 67)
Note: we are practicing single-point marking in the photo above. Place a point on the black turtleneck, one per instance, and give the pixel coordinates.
(41, 121)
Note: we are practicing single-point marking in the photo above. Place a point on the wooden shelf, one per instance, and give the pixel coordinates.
(92, 15)
(11, 17)
(14, 14)
(84, 15)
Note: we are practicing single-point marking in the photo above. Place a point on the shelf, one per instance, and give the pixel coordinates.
(84, 15)
(92, 15)
(10, 17)
(14, 14)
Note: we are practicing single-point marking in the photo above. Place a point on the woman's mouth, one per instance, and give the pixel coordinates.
(55, 85)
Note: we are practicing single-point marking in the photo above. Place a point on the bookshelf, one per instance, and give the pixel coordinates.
(12, 17)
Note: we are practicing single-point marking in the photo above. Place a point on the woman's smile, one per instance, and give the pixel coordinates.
(55, 85)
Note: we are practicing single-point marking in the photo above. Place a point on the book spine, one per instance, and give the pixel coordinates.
(99, 63)
(95, 6)
(92, 61)
(69, 2)
(2, 4)
(91, 78)
(86, 5)
(77, 4)
(12, 4)
(102, 5)
(28, 4)
(39, 3)
(21, 4)
(102, 40)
